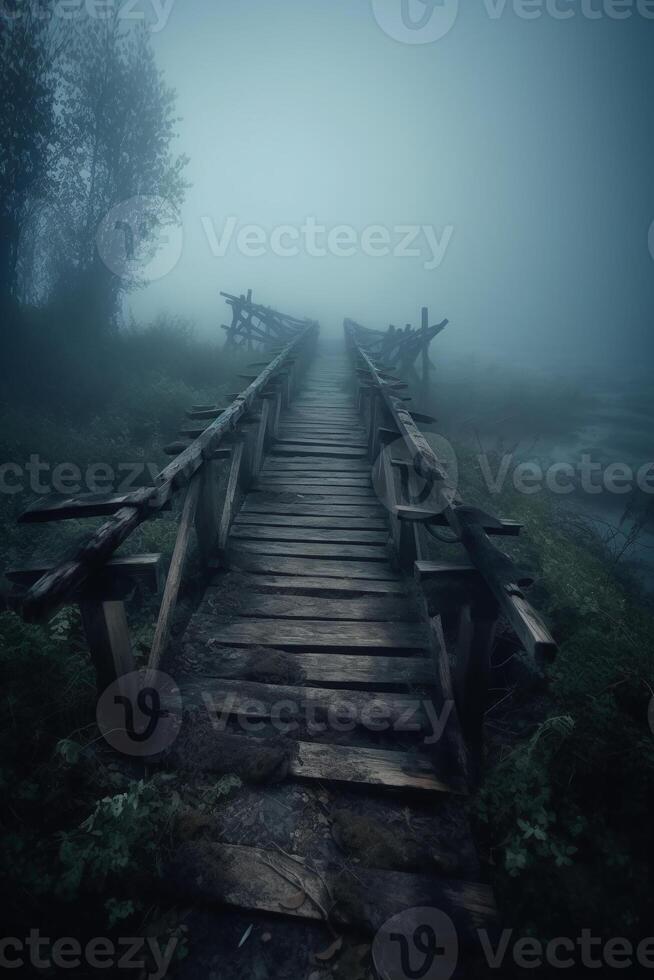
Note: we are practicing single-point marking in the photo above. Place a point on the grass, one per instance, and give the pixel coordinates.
(565, 811)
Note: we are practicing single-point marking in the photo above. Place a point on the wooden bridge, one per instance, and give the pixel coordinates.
(348, 664)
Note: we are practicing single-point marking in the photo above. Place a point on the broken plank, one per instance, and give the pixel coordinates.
(267, 881)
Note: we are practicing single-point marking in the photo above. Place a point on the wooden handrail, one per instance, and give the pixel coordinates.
(60, 584)
(500, 573)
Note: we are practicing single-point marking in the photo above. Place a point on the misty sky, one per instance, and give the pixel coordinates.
(524, 145)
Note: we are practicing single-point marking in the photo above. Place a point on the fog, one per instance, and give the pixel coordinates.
(524, 145)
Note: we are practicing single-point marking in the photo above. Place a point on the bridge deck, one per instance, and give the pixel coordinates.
(312, 651)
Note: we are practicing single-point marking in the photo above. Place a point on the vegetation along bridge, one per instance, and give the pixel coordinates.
(347, 665)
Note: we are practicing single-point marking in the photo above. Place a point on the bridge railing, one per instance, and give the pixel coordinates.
(407, 473)
(98, 579)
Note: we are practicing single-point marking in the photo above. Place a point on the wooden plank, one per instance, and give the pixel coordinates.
(175, 572)
(301, 549)
(365, 709)
(269, 881)
(275, 495)
(356, 509)
(307, 607)
(147, 569)
(59, 507)
(328, 480)
(319, 633)
(312, 567)
(311, 438)
(424, 515)
(331, 668)
(297, 449)
(315, 463)
(258, 532)
(326, 428)
(318, 584)
(370, 767)
(335, 493)
(324, 521)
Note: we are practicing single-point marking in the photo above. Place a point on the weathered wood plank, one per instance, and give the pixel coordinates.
(266, 881)
(324, 522)
(355, 508)
(335, 493)
(315, 463)
(146, 569)
(387, 710)
(331, 668)
(297, 449)
(297, 549)
(258, 532)
(371, 767)
(312, 567)
(319, 633)
(307, 607)
(318, 584)
(334, 481)
(59, 507)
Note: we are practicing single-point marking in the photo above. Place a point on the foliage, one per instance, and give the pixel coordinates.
(567, 803)
(27, 121)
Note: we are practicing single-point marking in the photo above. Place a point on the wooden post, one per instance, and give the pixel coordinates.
(107, 634)
(206, 513)
(373, 423)
(230, 495)
(425, 349)
(175, 572)
(390, 494)
(260, 442)
(476, 636)
(277, 411)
